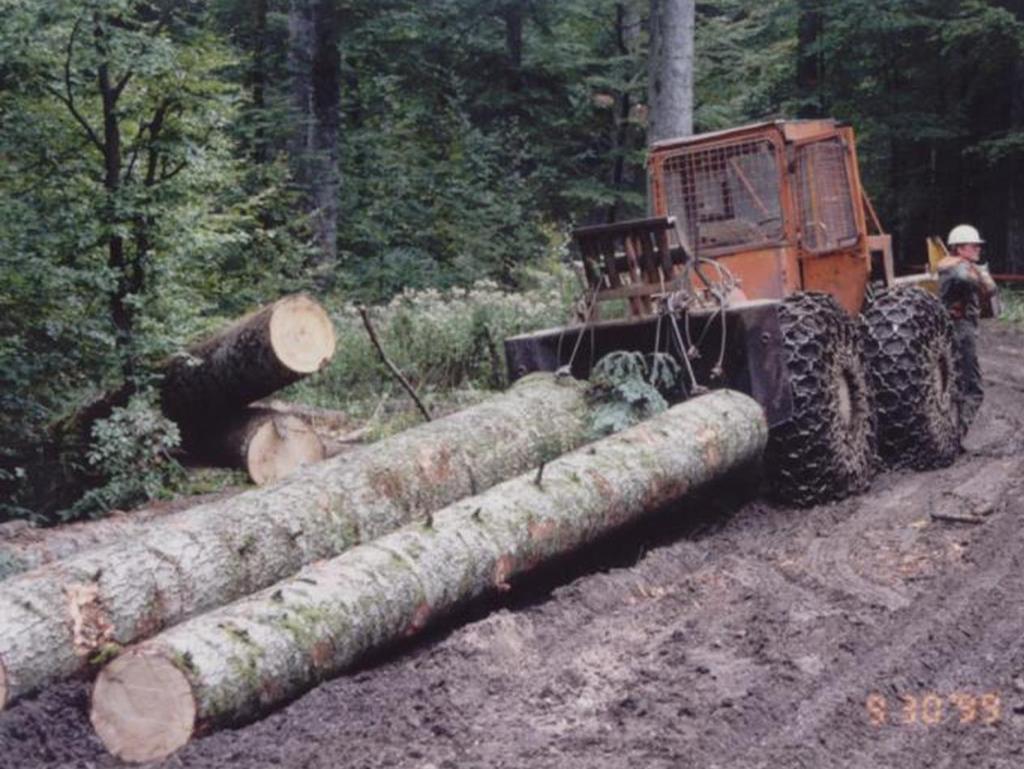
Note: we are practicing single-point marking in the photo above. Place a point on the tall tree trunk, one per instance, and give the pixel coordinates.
(627, 38)
(258, 81)
(233, 664)
(54, 619)
(670, 77)
(121, 312)
(316, 72)
(512, 14)
(810, 62)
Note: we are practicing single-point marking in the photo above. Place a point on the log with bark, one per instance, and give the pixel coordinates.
(56, 618)
(24, 546)
(233, 664)
(252, 358)
(267, 444)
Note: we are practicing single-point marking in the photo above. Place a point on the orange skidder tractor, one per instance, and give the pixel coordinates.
(758, 273)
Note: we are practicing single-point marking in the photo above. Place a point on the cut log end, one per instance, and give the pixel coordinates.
(301, 334)
(143, 708)
(279, 446)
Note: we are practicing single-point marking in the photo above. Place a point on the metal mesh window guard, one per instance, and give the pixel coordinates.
(823, 197)
(725, 196)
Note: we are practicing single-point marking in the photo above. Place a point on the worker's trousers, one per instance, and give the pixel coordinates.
(965, 333)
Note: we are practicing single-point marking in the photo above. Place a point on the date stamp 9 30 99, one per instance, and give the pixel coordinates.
(933, 709)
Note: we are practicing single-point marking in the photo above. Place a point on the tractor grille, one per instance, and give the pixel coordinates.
(823, 196)
(725, 196)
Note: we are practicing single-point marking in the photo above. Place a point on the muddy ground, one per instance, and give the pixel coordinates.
(866, 633)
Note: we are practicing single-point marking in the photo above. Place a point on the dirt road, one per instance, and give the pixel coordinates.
(875, 632)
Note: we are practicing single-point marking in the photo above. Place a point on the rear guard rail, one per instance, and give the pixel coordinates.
(753, 362)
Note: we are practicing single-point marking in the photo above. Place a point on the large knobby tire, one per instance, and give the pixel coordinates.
(826, 450)
(911, 362)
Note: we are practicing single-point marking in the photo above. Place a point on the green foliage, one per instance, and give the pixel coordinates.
(122, 228)
(131, 450)
(441, 340)
(454, 158)
(629, 387)
(746, 62)
(1013, 308)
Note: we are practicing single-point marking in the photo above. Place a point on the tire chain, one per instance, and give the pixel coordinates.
(907, 332)
(815, 456)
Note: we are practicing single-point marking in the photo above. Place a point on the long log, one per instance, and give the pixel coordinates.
(233, 664)
(24, 546)
(253, 357)
(267, 444)
(55, 618)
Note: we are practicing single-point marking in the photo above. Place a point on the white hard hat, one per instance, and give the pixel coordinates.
(964, 234)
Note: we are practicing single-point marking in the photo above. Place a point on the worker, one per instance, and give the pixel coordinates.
(963, 283)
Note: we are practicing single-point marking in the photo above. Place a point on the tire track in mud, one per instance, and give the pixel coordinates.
(932, 622)
(829, 562)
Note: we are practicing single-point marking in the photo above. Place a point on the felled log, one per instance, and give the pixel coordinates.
(253, 357)
(267, 444)
(233, 664)
(55, 618)
(24, 546)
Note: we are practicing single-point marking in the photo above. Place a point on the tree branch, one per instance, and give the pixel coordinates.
(122, 83)
(172, 173)
(154, 127)
(391, 366)
(69, 98)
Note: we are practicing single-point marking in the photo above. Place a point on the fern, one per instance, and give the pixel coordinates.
(628, 387)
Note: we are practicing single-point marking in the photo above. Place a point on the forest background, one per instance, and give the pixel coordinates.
(166, 165)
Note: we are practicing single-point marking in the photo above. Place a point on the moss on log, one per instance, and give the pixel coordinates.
(55, 618)
(233, 664)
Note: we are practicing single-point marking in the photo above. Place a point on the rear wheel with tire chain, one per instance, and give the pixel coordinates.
(826, 450)
(911, 362)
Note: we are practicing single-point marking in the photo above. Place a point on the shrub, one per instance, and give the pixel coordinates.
(440, 339)
(131, 449)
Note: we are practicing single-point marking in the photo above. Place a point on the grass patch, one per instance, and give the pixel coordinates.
(448, 343)
(1013, 307)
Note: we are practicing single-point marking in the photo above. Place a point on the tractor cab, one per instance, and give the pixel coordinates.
(779, 204)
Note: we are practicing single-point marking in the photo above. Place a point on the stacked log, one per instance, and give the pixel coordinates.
(233, 664)
(55, 619)
(23, 546)
(252, 358)
(267, 444)
(206, 389)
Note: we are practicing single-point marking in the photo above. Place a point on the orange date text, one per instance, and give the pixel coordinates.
(934, 708)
